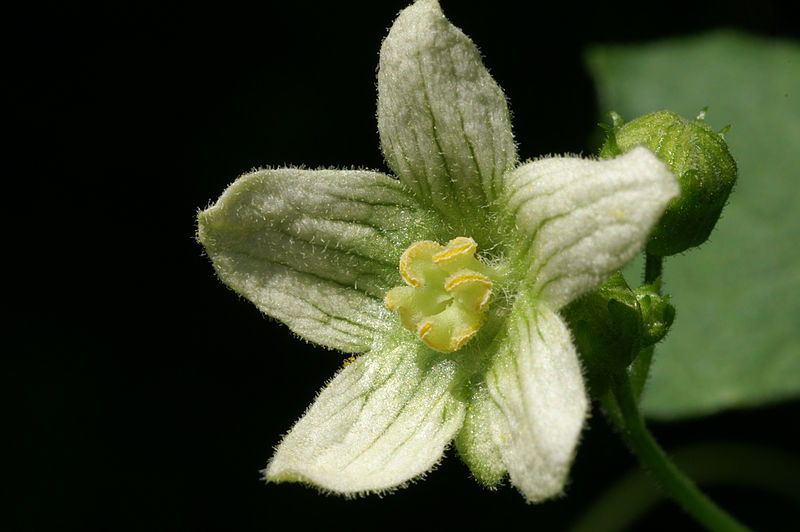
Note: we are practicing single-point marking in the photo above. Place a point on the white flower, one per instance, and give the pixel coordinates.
(319, 250)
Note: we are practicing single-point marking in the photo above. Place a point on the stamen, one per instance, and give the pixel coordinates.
(390, 302)
(460, 246)
(425, 329)
(446, 296)
(410, 258)
(458, 280)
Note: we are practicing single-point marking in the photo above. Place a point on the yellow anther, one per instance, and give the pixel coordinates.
(458, 247)
(425, 329)
(459, 341)
(389, 301)
(413, 258)
(447, 293)
(413, 281)
(483, 304)
(468, 277)
(471, 288)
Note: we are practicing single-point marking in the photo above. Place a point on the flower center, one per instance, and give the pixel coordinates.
(447, 293)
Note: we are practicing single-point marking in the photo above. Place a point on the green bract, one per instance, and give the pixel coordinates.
(320, 250)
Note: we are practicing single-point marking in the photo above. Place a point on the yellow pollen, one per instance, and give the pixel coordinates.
(425, 329)
(411, 256)
(457, 247)
(458, 280)
(406, 277)
(464, 338)
(390, 303)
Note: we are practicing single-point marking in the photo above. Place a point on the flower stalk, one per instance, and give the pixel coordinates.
(653, 458)
(652, 269)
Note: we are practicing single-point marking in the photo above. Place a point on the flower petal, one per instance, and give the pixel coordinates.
(443, 121)
(536, 390)
(383, 420)
(475, 441)
(584, 219)
(316, 249)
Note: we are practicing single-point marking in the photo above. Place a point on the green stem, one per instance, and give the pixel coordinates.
(653, 265)
(652, 457)
(640, 369)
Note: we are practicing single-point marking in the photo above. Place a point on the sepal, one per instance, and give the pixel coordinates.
(657, 312)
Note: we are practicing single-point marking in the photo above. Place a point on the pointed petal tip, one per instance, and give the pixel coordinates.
(536, 385)
(416, 18)
(442, 118)
(587, 218)
(648, 163)
(381, 423)
(349, 488)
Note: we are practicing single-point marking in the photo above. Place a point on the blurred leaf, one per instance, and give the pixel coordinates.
(735, 341)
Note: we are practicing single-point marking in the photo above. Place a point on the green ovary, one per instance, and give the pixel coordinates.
(446, 295)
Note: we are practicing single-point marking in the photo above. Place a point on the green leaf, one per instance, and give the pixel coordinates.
(735, 341)
(316, 249)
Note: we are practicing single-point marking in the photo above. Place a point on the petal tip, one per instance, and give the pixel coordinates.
(643, 158)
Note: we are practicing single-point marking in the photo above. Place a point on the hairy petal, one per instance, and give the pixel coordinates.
(536, 390)
(383, 420)
(583, 219)
(316, 249)
(443, 121)
(475, 441)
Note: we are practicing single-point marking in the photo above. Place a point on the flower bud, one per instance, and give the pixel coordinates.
(607, 327)
(700, 160)
(612, 324)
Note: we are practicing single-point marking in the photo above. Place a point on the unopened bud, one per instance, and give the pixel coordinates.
(700, 160)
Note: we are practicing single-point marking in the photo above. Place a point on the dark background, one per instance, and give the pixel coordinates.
(142, 393)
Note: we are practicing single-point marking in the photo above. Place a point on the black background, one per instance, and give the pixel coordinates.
(144, 394)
